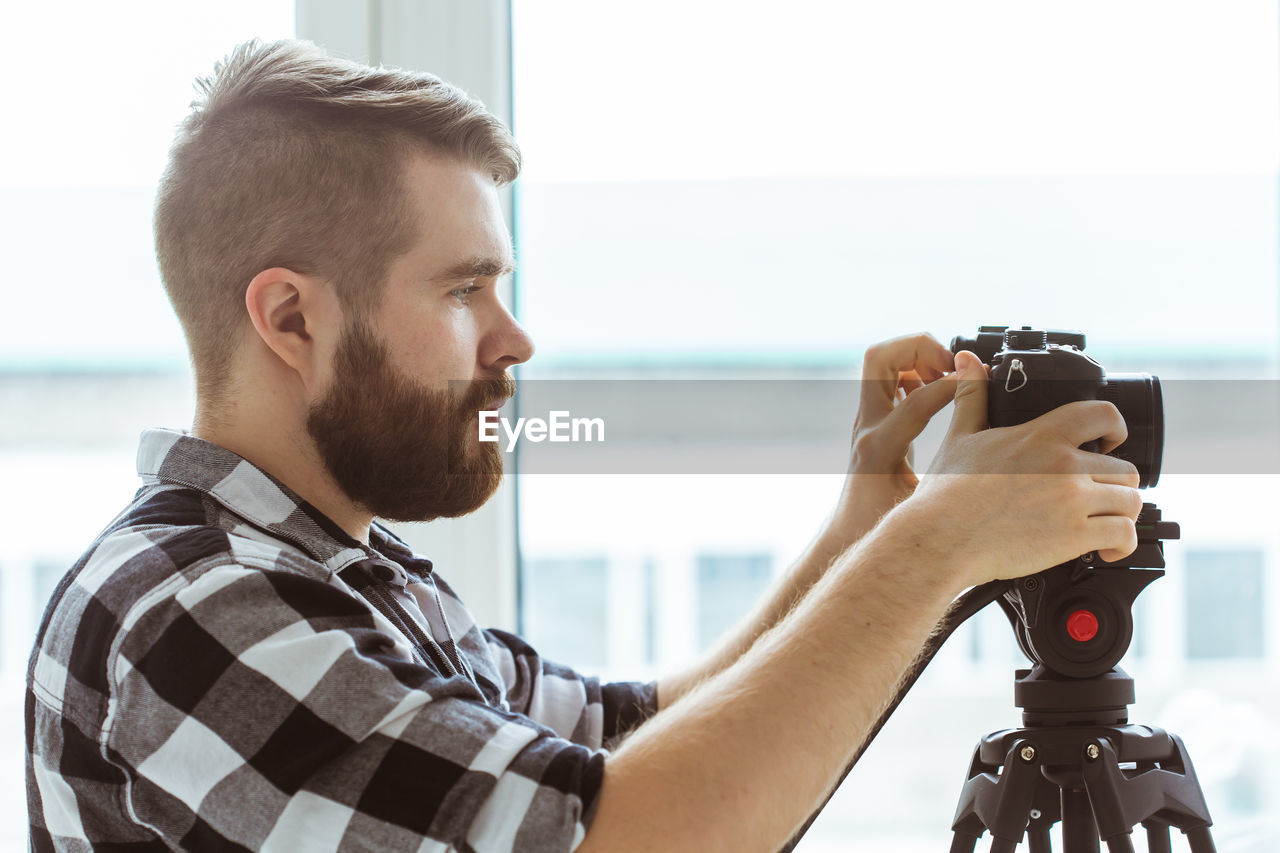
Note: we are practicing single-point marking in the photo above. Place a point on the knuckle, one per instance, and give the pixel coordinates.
(1078, 493)
(1117, 418)
(1061, 459)
(1066, 494)
(1130, 538)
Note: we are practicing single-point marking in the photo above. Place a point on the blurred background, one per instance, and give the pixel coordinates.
(719, 190)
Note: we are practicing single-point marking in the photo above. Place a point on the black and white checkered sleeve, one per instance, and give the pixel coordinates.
(580, 708)
(259, 709)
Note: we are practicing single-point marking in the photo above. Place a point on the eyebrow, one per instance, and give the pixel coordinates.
(491, 267)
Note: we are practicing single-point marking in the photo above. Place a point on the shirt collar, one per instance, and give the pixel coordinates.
(176, 458)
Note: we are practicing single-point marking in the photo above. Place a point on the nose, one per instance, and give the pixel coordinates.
(507, 343)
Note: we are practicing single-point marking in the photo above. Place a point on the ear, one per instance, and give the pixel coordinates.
(296, 316)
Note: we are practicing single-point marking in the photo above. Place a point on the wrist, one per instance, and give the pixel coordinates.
(916, 537)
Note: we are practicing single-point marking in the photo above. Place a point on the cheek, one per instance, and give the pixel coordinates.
(438, 348)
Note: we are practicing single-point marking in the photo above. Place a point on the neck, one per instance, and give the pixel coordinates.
(287, 453)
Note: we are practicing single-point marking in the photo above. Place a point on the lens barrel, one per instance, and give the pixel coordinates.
(1141, 403)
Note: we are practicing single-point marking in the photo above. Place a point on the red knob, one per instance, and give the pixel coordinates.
(1082, 625)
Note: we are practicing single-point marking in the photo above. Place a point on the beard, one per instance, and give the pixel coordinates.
(402, 451)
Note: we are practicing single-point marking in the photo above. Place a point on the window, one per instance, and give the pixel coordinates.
(566, 605)
(1225, 600)
(46, 576)
(714, 193)
(728, 586)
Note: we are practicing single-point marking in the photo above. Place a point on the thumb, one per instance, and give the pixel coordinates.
(970, 413)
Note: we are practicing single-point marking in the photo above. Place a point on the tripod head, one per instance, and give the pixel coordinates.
(1075, 620)
(1077, 760)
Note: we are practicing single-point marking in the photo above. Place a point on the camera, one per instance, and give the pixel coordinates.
(1074, 619)
(1034, 371)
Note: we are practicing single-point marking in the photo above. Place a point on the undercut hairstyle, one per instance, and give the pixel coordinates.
(292, 158)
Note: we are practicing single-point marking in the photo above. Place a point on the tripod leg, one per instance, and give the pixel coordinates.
(996, 800)
(1120, 844)
(964, 842)
(1166, 792)
(1079, 832)
(1200, 840)
(1046, 810)
(1157, 837)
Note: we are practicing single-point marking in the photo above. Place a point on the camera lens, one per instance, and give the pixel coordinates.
(1138, 397)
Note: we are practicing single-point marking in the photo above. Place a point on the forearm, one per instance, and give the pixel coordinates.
(880, 476)
(743, 759)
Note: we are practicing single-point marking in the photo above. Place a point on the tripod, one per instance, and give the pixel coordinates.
(1078, 761)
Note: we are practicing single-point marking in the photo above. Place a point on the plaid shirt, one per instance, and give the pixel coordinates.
(226, 669)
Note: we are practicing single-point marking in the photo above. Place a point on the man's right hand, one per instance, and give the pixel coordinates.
(1020, 499)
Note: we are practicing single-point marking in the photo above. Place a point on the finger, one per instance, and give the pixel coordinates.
(883, 362)
(1108, 499)
(905, 423)
(1108, 469)
(1087, 420)
(1111, 555)
(1116, 537)
(1105, 446)
(970, 413)
(908, 381)
(929, 373)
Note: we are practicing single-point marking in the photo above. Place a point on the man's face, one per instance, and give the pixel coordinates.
(397, 425)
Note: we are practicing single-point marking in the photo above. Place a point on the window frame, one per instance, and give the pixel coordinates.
(469, 45)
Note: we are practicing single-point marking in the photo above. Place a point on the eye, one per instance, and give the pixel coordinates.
(464, 294)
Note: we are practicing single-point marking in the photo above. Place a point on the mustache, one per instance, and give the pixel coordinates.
(480, 392)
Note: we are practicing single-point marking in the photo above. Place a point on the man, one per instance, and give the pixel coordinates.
(245, 659)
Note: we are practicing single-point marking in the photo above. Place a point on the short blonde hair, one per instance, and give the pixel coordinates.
(293, 158)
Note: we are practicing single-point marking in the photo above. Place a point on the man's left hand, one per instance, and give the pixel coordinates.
(904, 384)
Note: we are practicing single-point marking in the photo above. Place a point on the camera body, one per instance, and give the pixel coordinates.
(1034, 371)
